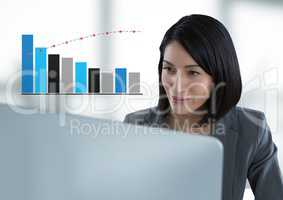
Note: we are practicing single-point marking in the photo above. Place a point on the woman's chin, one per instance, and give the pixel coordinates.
(181, 110)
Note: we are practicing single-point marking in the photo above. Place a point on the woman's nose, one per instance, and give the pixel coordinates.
(179, 84)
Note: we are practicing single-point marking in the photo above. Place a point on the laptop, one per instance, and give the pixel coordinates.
(89, 158)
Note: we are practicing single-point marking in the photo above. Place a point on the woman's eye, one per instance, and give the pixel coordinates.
(169, 69)
(194, 73)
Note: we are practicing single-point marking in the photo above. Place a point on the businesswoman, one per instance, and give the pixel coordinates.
(200, 85)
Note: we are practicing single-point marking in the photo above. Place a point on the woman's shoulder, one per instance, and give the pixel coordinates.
(248, 123)
(244, 111)
(142, 116)
(248, 118)
(252, 124)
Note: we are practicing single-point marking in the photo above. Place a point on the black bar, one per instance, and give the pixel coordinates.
(53, 73)
(93, 80)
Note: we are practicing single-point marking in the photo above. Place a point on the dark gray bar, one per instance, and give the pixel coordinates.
(67, 75)
(107, 82)
(134, 82)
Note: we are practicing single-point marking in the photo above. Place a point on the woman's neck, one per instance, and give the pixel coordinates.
(187, 123)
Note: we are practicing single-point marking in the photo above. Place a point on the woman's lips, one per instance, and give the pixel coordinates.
(179, 99)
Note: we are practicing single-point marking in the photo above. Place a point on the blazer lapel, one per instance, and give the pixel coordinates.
(229, 140)
(226, 131)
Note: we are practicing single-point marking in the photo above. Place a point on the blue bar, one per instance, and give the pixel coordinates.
(27, 63)
(40, 71)
(120, 80)
(81, 74)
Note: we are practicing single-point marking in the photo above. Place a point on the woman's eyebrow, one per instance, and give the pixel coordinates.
(187, 66)
(169, 63)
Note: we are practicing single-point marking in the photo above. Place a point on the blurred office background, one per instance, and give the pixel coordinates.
(255, 26)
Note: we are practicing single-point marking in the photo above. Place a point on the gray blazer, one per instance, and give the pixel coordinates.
(249, 152)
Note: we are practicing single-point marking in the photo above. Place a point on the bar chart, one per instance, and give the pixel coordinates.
(53, 74)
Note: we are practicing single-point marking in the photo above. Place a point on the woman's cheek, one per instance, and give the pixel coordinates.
(165, 82)
(201, 94)
(201, 91)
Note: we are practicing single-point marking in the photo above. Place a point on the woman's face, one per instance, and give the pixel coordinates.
(186, 84)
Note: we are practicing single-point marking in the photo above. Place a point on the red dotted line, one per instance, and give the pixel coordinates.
(108, 33)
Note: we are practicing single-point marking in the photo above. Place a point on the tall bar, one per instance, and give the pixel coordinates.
(120, 80)
(27, 63)
(40, 71)
(106, 82)
(67, 75)
(81, 74)
(94, 80)
(134, 82)
(53, 73)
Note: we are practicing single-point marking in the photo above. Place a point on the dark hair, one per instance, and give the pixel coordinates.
(210, 45)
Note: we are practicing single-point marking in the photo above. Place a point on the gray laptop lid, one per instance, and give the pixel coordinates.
(91, 158)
